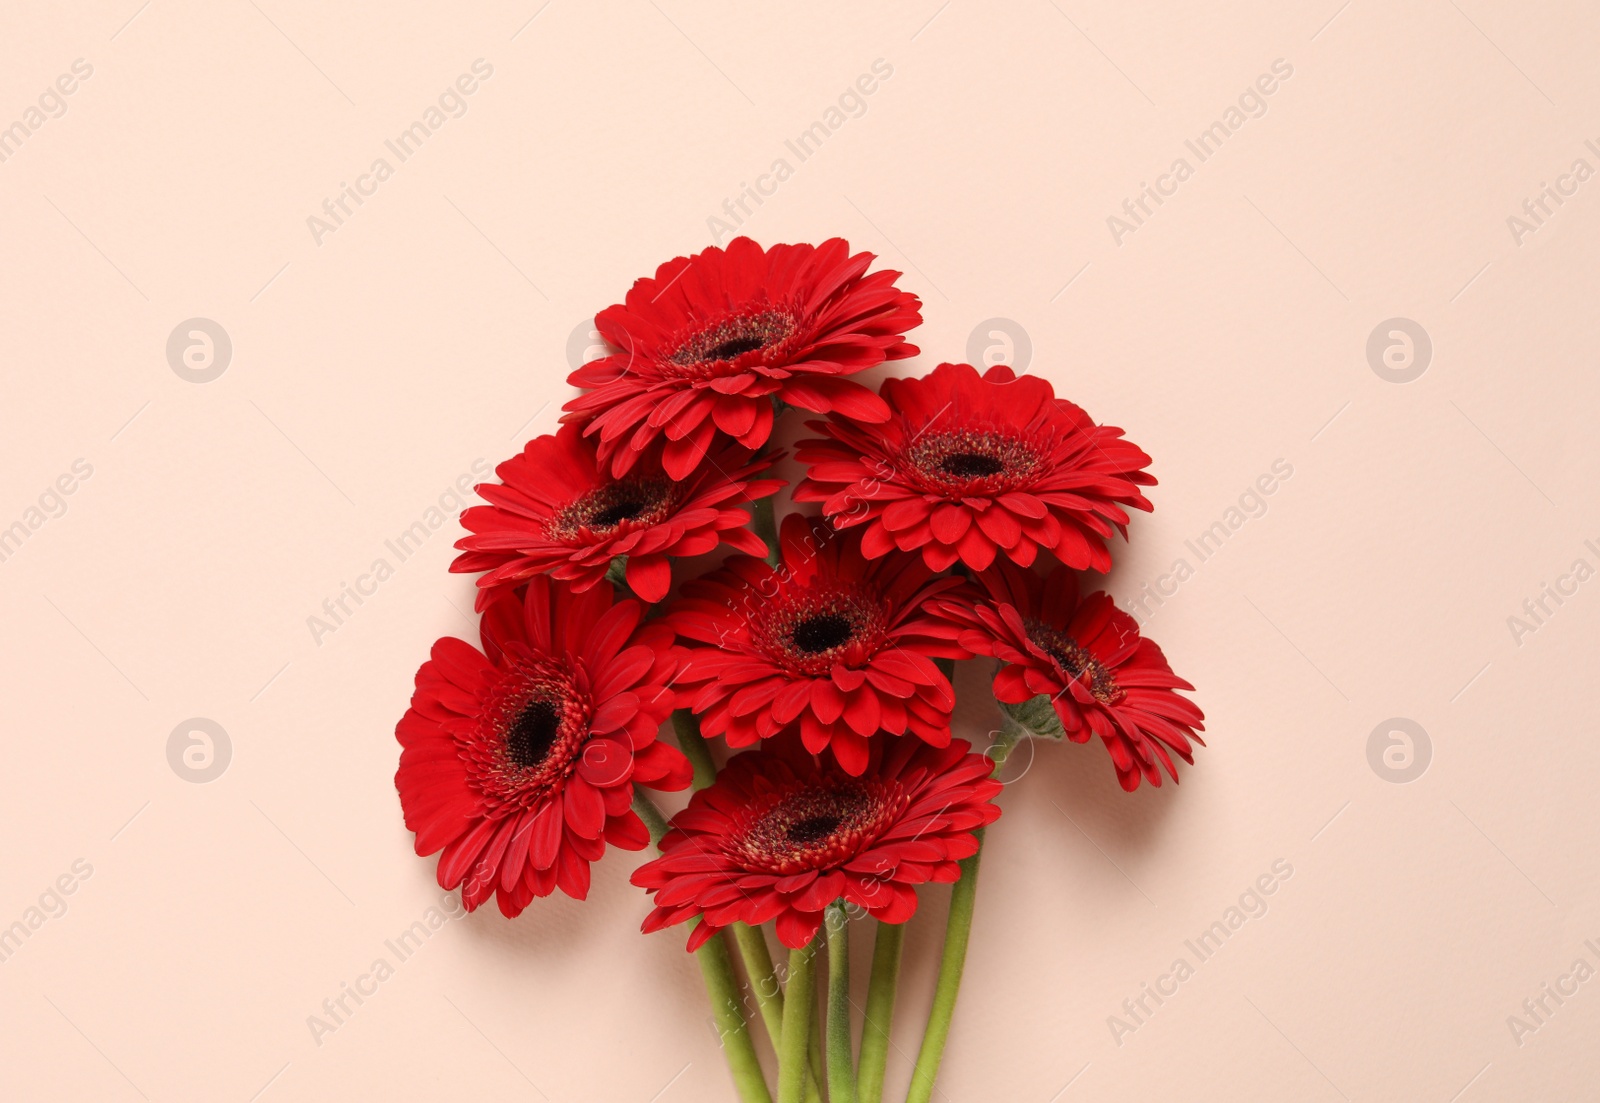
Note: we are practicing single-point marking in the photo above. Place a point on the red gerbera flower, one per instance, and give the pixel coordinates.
(1087, 657)
(519, 761)
(708, 343)
(968, 466)
(829, 640)
(781, 836)
(553, 512)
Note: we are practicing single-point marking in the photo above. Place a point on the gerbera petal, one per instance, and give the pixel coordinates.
(1088, 658)
(649, 576)
(1030, 469)
(498, 764)
(796, 929)
(708, 326)
(546, 840)
(781, 835)
(605, 763)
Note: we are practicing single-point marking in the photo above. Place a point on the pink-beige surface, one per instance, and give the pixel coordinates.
(1333, 267)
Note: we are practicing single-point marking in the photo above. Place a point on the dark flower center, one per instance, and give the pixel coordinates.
(815, 824)
(812, 830)
(533, 732)
(959, 461)
(736, 346)
(810, 629)
(1077, 662)
(969, 465)
(622, 511)
(724, 341)
(599, 512)
(823, 632)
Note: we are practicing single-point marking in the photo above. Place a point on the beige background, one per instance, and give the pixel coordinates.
(431, 330)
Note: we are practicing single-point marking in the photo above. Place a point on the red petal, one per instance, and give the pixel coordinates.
(546, 835)
(796, 929)
(605, 763)
(851, 750)
(627, 832)
(649, 576)
(584, 808)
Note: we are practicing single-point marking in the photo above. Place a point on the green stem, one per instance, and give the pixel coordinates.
(841, 1066)
(814, 1056)
(763, 981)
(752, 944)
(758, 970)
(722, 987)
(694, 747)
(716, 969)
(951, 963)
(958, 929)
(797, 1015)
(765, 525)
(1011, 733)
(886, 950)
(654, 821)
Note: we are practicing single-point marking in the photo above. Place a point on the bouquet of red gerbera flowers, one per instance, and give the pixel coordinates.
(955, 512)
